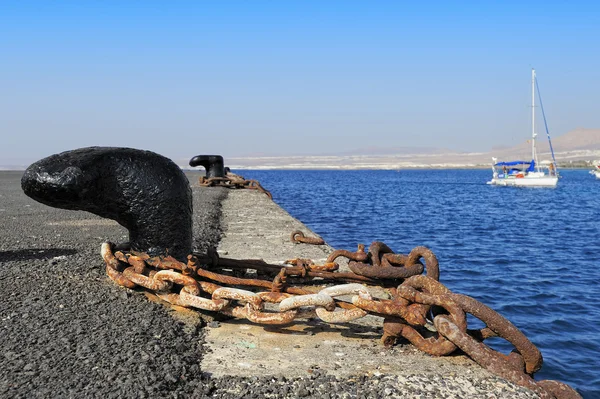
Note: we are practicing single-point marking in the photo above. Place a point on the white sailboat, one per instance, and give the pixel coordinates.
(527, 173)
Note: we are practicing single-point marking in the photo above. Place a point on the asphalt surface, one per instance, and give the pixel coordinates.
(67, 331)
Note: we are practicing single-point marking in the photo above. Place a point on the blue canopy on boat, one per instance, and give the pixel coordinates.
(513, 163)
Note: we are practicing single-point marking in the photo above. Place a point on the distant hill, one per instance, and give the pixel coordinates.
(578, 139)
(578, 144)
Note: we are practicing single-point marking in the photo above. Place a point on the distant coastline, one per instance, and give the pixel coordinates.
(383, 165)
(583, 164)
(587, 165)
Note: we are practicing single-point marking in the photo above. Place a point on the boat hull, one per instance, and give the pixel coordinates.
(595, 173)
(545, 181)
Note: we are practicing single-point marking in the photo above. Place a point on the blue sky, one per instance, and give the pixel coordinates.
(251, 77)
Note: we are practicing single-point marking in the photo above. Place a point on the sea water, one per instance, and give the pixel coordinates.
(532, 254)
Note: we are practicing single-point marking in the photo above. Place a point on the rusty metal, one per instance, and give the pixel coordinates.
(422, 310)
(376, 250)
(309, 265)
(496, 325)
(344, 315)
(359, 256)
(432, 266)
(386, 307)
(231, 180)
(435, 345)
(392, 330)
(347, 289)
(425, 284)
(488, 358)
(386, 272)
(146, 281)
(504, 329)
(118, 278)
(326, 267)
(254, 185)
(457, 314)
(325, 271)
(294, 302)
(482, 334)
(237, 294)
(274, 297)
(385, 264)
(277, 318)
(298, 237)
(113, 267)
(559, 389)
(196, 301)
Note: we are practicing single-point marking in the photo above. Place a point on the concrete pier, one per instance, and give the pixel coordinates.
(255, 227)
(68, 331)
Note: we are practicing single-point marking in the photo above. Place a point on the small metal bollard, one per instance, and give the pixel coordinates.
(213, 164)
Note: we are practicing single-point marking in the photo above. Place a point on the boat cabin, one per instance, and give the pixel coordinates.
(518, 169)
(513, 168)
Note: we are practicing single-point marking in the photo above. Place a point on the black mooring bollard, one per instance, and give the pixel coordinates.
(212, 163)
(144, 192)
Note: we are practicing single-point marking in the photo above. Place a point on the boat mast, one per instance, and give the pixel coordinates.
(533, 154)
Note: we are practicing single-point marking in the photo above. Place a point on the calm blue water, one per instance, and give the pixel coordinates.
(531, 254)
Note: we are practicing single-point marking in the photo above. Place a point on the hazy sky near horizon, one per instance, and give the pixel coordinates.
(293, 77)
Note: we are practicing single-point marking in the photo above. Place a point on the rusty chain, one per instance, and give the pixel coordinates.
(421, 309)
(231, 180)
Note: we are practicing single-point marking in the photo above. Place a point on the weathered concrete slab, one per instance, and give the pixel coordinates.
(241, 348)
(254, 227)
